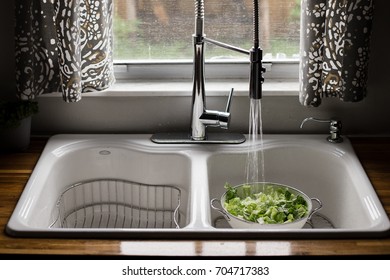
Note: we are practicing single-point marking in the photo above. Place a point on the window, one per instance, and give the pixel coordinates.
(160, 31)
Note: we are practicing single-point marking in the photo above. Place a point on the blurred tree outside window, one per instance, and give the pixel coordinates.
(162, 29)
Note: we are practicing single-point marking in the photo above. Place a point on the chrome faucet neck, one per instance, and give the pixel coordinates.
(198, 129)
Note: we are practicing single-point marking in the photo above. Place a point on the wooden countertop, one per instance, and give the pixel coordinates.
(15, 169)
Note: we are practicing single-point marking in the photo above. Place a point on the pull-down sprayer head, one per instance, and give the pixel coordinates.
(256, 54)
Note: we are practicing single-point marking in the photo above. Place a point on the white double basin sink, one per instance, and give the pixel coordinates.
(329, 172)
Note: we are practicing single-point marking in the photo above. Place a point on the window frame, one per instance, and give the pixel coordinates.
(219, 68)
(229, 69)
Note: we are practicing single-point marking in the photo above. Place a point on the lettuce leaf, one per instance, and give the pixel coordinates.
(273, 206)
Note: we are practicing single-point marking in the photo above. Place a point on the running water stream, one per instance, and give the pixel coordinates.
(255, 159)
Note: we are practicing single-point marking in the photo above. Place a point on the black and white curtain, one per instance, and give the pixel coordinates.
(63, 45)
(335, 37)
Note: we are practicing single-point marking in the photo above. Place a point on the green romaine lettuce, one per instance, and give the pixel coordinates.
(272, 206)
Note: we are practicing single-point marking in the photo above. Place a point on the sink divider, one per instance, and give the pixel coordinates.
(199, 197)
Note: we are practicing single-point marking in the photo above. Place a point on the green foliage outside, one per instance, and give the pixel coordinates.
(131, 42)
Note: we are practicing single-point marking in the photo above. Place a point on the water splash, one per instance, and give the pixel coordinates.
(255, 159)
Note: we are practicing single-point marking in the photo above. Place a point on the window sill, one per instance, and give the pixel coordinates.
(141, 88)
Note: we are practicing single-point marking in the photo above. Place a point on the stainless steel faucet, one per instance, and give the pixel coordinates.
(201, 117)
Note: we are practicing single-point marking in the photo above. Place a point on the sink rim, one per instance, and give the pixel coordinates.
(202, 227)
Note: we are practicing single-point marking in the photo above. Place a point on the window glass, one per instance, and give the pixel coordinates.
(162, 29)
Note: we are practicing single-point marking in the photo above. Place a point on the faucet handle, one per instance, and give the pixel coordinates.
(215, 119)
(229, 101)
(334, 128)
(218, 118)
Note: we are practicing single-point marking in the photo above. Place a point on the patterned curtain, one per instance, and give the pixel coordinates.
(335, 38)
(63, 45)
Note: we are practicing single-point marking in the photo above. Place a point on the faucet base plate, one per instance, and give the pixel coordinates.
(185, 138)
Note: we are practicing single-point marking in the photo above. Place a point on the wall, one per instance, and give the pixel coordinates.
(7, 65)
(281, 114)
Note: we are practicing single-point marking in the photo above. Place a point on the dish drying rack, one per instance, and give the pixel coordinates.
(112, 203)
